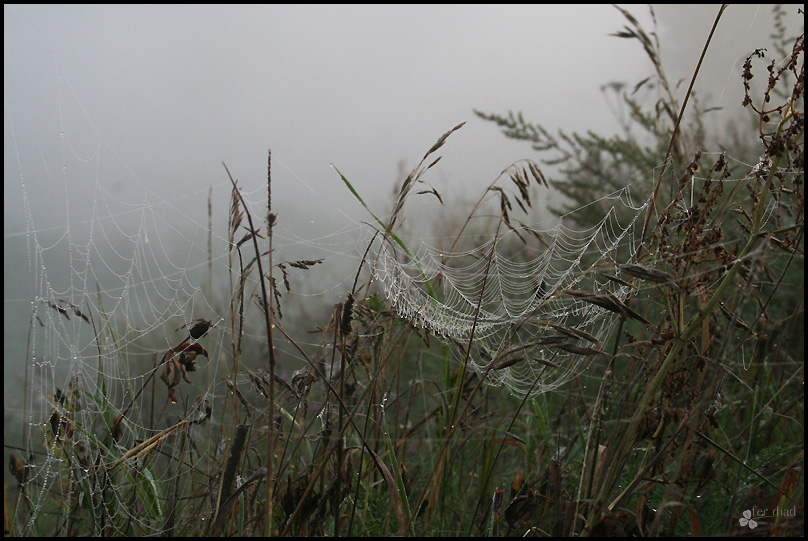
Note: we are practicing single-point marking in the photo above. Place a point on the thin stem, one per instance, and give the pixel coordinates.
(678, 123)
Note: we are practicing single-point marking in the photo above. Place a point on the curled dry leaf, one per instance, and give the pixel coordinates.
(19, 469)
(177, 362)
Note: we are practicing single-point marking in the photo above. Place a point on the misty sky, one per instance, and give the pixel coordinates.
(152, 99)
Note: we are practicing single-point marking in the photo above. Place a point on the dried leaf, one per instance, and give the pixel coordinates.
(579, 350)
(652, 275)
(507, 362)
(177, 362)
(575, 333)
(609, 302)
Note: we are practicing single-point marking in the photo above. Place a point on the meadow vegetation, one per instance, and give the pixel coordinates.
(690, 413)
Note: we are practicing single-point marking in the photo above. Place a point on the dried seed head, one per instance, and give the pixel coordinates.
(199, 328)
(347, 315)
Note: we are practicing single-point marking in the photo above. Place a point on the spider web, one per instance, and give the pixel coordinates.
(107, 276)
(113, 301)
(516, 300)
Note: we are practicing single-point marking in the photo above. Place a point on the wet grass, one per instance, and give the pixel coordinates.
(688, 416)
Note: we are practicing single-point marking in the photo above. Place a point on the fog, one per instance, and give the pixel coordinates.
(112, 109)
(156, 98)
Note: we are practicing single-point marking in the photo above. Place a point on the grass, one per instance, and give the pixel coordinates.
(690, 414)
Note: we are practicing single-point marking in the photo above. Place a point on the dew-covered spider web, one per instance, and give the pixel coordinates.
(111, 398)
(523, 299)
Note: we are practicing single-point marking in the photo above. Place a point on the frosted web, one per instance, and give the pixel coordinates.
(113, 391)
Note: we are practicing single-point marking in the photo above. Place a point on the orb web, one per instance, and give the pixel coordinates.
(517, 297)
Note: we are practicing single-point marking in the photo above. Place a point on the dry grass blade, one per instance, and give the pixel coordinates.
(143, 448)
(575, 333)
(609, 302)
(395, 498)
(652, 275)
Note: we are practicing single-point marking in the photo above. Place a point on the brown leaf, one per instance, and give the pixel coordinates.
(177, 362)
(652, 275)
(575, 333)
(609, 302)
(579, 350)
(395, 497)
